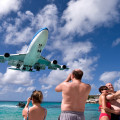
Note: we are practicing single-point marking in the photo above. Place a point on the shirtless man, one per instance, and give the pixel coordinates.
(75, 94)
(114, 98)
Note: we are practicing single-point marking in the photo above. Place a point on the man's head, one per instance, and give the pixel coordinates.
(110, 87)
(77, 74)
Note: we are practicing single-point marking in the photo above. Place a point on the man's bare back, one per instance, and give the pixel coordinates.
(74, 96)
(74, 93)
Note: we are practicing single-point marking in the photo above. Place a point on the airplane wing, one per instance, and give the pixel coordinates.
(17, 60)
(13, 59)
(2, 60)
(51, 64)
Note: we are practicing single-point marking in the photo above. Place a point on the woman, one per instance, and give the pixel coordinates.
(36, 112)
(105, 105)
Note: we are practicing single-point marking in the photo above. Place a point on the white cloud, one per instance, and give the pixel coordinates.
(31, 88)
(46, 87)
(12, 78)
(6, 6)
(45, 94)
(47, 17)
(16, 77)
(49, 56)
(116, 42)
(107, 77)
(23, 50)
(88, 65)
(93, 86)
(15, 34)
(16, 37)
(20, 90)
(54, 78)
(4, 90)
(83, 16)
(76, 50)
(117, 84)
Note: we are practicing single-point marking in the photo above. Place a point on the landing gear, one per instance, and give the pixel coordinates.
(38, 69)
(30, 69)
(18, 66)
(24, 68)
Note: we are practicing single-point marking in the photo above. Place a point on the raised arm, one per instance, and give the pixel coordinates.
(110, 97)
(113, 96)
(24, 112)
(59, 87)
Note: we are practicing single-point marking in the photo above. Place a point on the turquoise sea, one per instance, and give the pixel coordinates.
(9, 111)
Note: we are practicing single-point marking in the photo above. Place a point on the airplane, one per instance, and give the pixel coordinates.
(32, 59)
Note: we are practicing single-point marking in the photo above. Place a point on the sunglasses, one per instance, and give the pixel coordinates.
(105, 89)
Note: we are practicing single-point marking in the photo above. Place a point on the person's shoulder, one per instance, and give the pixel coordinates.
(43, 108)
(32, 109)
(87, 85)
(102, 96)
(66, 83)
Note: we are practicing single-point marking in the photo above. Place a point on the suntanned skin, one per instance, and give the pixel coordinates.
(105, 109)
(74, 93)
(113, 97)
(36, 112)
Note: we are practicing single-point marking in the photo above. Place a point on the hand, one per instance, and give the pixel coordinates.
(28, 100)
(68, 78)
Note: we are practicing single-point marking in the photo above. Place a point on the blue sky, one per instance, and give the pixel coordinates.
(83, 34)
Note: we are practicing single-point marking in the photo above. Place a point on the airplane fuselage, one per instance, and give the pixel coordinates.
(34, 51)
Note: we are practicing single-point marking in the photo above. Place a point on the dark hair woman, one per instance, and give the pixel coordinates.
(105, 105)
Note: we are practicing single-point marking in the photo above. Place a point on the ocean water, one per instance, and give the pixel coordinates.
(9, 111)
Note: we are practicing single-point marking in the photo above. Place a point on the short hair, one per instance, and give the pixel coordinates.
(102, 88)
(78, 74)
(37, 96)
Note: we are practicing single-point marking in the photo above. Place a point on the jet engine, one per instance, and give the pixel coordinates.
(54, 62)
(6, 55)
(63, 66)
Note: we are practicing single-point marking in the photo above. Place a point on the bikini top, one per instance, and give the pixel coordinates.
(107, 105)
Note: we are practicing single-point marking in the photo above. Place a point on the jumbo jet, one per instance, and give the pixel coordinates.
(32, 59)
